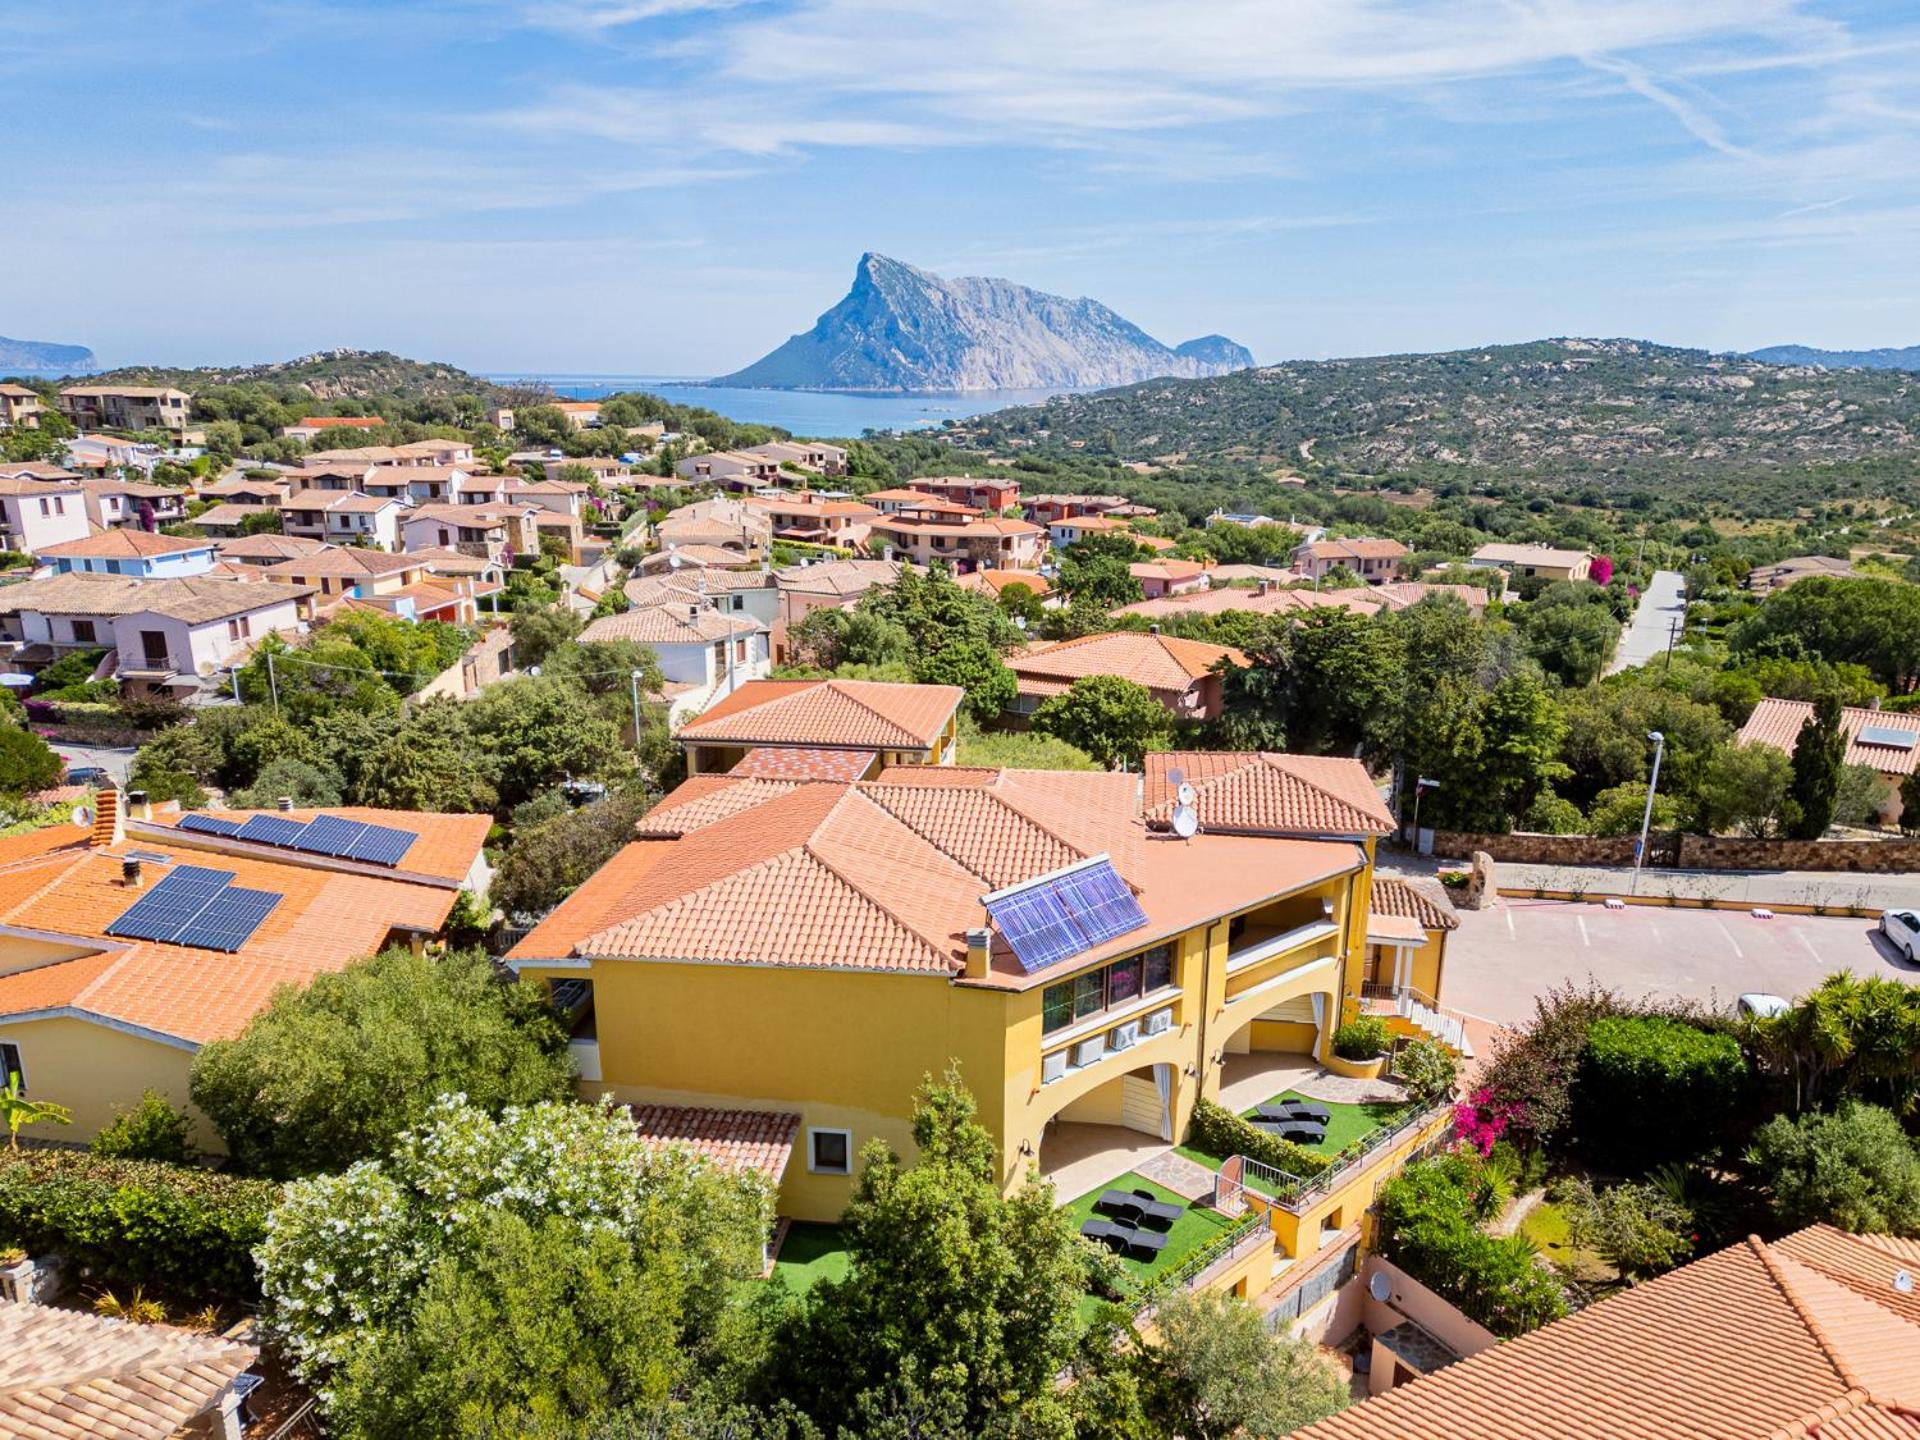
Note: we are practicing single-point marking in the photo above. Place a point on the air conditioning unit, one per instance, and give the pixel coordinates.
(1160, 1021)
(1123, 1037)
(1053, 1066)
(1088, 1051)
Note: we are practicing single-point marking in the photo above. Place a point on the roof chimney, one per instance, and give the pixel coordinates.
(137, 806)
(1874, 703)
(109, 824)
(286, 802)
(1153, 629)
(979, 953)
(130, 873)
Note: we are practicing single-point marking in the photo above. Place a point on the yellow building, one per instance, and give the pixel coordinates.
(98, 1005)
(812, 951)
(823, 729)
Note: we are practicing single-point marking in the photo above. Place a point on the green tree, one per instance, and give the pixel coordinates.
(303, 783)
(27, 763)
(552, 858)
(1819, 755)
(1110, 718)
(1745, 790)
(534, 732)
(976, 668)
(1619, 810)
(1862, 795)
(1855, 1168)
(1018, 750)
(935, 612)
(1637, 1228)
(19, 1112)
(624, 1269)
(954, 1289)
(330, 1074)
(1217, 1371)
(1570, 631)
(538, 631)
(1097, 571)
(1910, 804)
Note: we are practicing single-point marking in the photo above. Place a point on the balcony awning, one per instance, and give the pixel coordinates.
(760, 1140)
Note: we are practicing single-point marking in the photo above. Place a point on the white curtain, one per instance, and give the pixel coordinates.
(1163, 1078)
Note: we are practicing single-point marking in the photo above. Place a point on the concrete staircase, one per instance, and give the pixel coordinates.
(1449, 1030)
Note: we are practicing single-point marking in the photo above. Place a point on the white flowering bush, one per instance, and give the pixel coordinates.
(345, 1256)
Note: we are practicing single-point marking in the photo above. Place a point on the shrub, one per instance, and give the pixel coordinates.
(155, 1129)
(1652, 1089)
(1551, 814)
(1218, 1131)
(1855, 1168)
(1427, 1068)
(180, 1230)
(1362, 1038)
(1427, 1227)
(1640, 1229)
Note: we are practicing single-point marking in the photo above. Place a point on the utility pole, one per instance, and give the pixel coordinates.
(633, 680)
(1673, 633)
(1420, 787)
(273, 685)
(1646, 817)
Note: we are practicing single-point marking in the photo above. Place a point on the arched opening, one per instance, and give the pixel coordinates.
(1115, 1127)
(1274, 1051)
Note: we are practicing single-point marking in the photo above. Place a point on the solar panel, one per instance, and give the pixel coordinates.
(208, 825)
(1063, 915)
(1886, 735)
(330, 835)
(271, 829)
(382, 845)
(172, 904)
(229, 919)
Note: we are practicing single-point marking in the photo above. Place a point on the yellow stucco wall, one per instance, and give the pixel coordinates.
(95, 1071)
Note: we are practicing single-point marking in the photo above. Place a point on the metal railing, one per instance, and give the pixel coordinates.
(1229, 1244)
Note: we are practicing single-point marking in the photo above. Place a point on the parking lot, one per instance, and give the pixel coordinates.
(1499, 960)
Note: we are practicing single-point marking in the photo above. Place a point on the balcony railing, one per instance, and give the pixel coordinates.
(1296, 1193)
(1248, 956)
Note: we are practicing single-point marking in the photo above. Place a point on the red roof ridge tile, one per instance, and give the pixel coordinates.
(1815, 1328)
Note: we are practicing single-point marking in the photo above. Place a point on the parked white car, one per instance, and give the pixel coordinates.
(1758, 1005)
(1902, 927)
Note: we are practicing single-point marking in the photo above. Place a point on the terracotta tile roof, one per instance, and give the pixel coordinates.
(356, 422)
(324, 920)
(790, 762)
(1172, 571)
(195, 599)
(888, 874)
(261, 547)
(714, 555)
(693, 585)
(759, 1140)
(444, 846)
(65, 1375)
(989, 525)
(674, 623)
(992, 582)
(863, 714)
(1224, 599)
(1266, 792)
(804, 502)
(1159, 662)
(1755, 1341)
(228, 513)
(840, 577)
(1777, 723)
(1498, 554)
(452, 562)
(1394, 929)
(17, 483)
(1419, 898)
(347, 560)
(1356, 549)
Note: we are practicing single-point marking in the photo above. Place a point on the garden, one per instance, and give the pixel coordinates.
(1611, 1140)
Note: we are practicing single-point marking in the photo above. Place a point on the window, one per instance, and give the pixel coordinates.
(740, 651)
(84, 632)
(1116, 984)
(830, 1152)
(44, 510)
(10, 1064)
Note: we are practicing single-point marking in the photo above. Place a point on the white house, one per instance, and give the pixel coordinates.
(703, 653)
(168, 636)
(37, 513)
(344, 518)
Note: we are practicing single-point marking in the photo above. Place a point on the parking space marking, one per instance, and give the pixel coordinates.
(1512, 934)
(1720, 925)
(1801, 936)
(1585, 939)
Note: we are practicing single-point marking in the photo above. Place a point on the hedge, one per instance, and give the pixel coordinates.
(182, 1231)
(1218, 1131)
(1651, 1089)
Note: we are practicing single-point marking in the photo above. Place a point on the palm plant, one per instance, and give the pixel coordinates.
(18, 1110)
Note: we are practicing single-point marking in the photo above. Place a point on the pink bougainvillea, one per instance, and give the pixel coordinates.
(1602, 570)
(1482, 1119)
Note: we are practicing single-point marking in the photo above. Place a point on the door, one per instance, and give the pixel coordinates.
(1140, 1107)
(153, 649)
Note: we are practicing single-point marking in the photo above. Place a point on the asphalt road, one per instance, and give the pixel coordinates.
(1499, 960)
(1661, 603)
(115, 760)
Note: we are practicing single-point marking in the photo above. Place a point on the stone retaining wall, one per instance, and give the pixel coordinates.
(1675, 851)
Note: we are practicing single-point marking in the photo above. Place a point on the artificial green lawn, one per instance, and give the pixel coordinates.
(811, 1252)
(1195, 1228)
(1346, 1123)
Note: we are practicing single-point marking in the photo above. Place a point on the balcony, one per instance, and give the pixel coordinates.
(1111, 1032)
(1268, 945)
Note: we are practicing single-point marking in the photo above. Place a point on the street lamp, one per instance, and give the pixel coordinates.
(1646, 818)
(1420, 787)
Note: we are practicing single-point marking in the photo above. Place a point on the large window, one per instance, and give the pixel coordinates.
(1113, 985)
(830, 1152)
(10, 1065)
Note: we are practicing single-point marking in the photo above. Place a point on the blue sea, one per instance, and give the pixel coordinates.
(821, 414)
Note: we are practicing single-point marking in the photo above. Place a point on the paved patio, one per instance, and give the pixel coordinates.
(1249, 1080)
(1078, 1157)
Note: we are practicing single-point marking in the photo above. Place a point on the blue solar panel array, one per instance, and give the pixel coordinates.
(193, 905)
(1058, 917)
(323, 835)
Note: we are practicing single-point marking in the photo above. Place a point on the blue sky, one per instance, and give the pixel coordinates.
(674, 186)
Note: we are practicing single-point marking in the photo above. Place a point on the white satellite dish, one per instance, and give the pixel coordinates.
(1379, 1286)
(673, 560)
(83, 817)
(1903, 1281)
(1186, 824)
(1186, 794)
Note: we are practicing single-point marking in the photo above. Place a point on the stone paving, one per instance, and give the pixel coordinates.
(1184, 1177)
